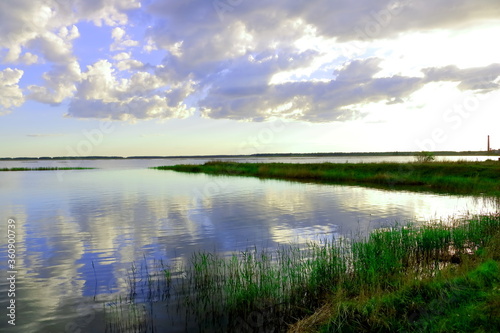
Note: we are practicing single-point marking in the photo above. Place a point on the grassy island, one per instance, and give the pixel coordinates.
(42, 169)
(472, 178)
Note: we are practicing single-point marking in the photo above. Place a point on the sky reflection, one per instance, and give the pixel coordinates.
(79, 238)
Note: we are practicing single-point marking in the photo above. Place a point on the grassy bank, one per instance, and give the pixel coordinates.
(41, 169)
(452, 177)
(432, 278)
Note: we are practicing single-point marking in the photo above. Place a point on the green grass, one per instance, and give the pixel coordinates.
(468, 303)
(438, 277)
(475, 178)
(435, 278)
(42, 169)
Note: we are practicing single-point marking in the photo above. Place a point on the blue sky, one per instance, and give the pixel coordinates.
(130, 77)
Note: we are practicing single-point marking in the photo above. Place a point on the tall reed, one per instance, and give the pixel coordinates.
(272, 288)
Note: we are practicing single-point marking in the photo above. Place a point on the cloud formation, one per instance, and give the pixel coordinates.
(100, 94)
(355, 84)
(483, 78)
(223, 57)
(47, 26)
(336, 99)
(10, 94)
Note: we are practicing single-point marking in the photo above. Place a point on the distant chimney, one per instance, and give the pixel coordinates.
(489, 149)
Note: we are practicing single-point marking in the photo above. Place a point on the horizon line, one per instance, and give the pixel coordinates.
(387, 153)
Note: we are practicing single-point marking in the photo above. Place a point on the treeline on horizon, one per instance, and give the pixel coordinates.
(395, 153)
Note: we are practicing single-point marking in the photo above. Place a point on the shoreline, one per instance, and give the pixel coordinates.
(469, 178)
(493, 154)
(409, 278)
(43, 169)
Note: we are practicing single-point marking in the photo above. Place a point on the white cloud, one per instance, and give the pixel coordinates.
(128, 109)
(264, 59)
(28, 58)
(118, 33)
(51, 23)
(409, 53)
(98, 81)
(10, 94)
(69, 34)
(48, 29)
(124, 62)
(257, 25)
(356, 84)
(121, 40)
(257, 90)
(108, 12)
(59, 84)
(56, 47)
(149, 46)
(122, 56)
(142, 96)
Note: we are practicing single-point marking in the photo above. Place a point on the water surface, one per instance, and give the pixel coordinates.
(79, 232)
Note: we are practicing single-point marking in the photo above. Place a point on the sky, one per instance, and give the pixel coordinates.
(202, 77)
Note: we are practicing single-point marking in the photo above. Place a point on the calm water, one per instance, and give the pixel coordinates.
(79, 232)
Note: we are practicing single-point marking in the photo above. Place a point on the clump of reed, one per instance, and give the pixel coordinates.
(43, 169)
(439, 277)
(292, 281)
(147, 283)
(273, 285)
(126, 316)
(270, 289)
(452, 177)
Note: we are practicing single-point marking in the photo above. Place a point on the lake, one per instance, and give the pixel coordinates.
(78, 233)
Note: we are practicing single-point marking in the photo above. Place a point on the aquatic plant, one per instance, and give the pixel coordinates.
(43, 169)
(472, 178)
(381, 282)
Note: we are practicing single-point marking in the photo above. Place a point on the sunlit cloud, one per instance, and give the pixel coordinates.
(251, 61)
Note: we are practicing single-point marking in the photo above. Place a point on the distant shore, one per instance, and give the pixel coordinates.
(324, 154)
(41, 169)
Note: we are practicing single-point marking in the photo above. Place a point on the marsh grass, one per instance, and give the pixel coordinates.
(453, 177)
(43, 169)
(395, 279)
(435, 278)
(147, 283)
(126, 316)
(283, 281)
(465, 302)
